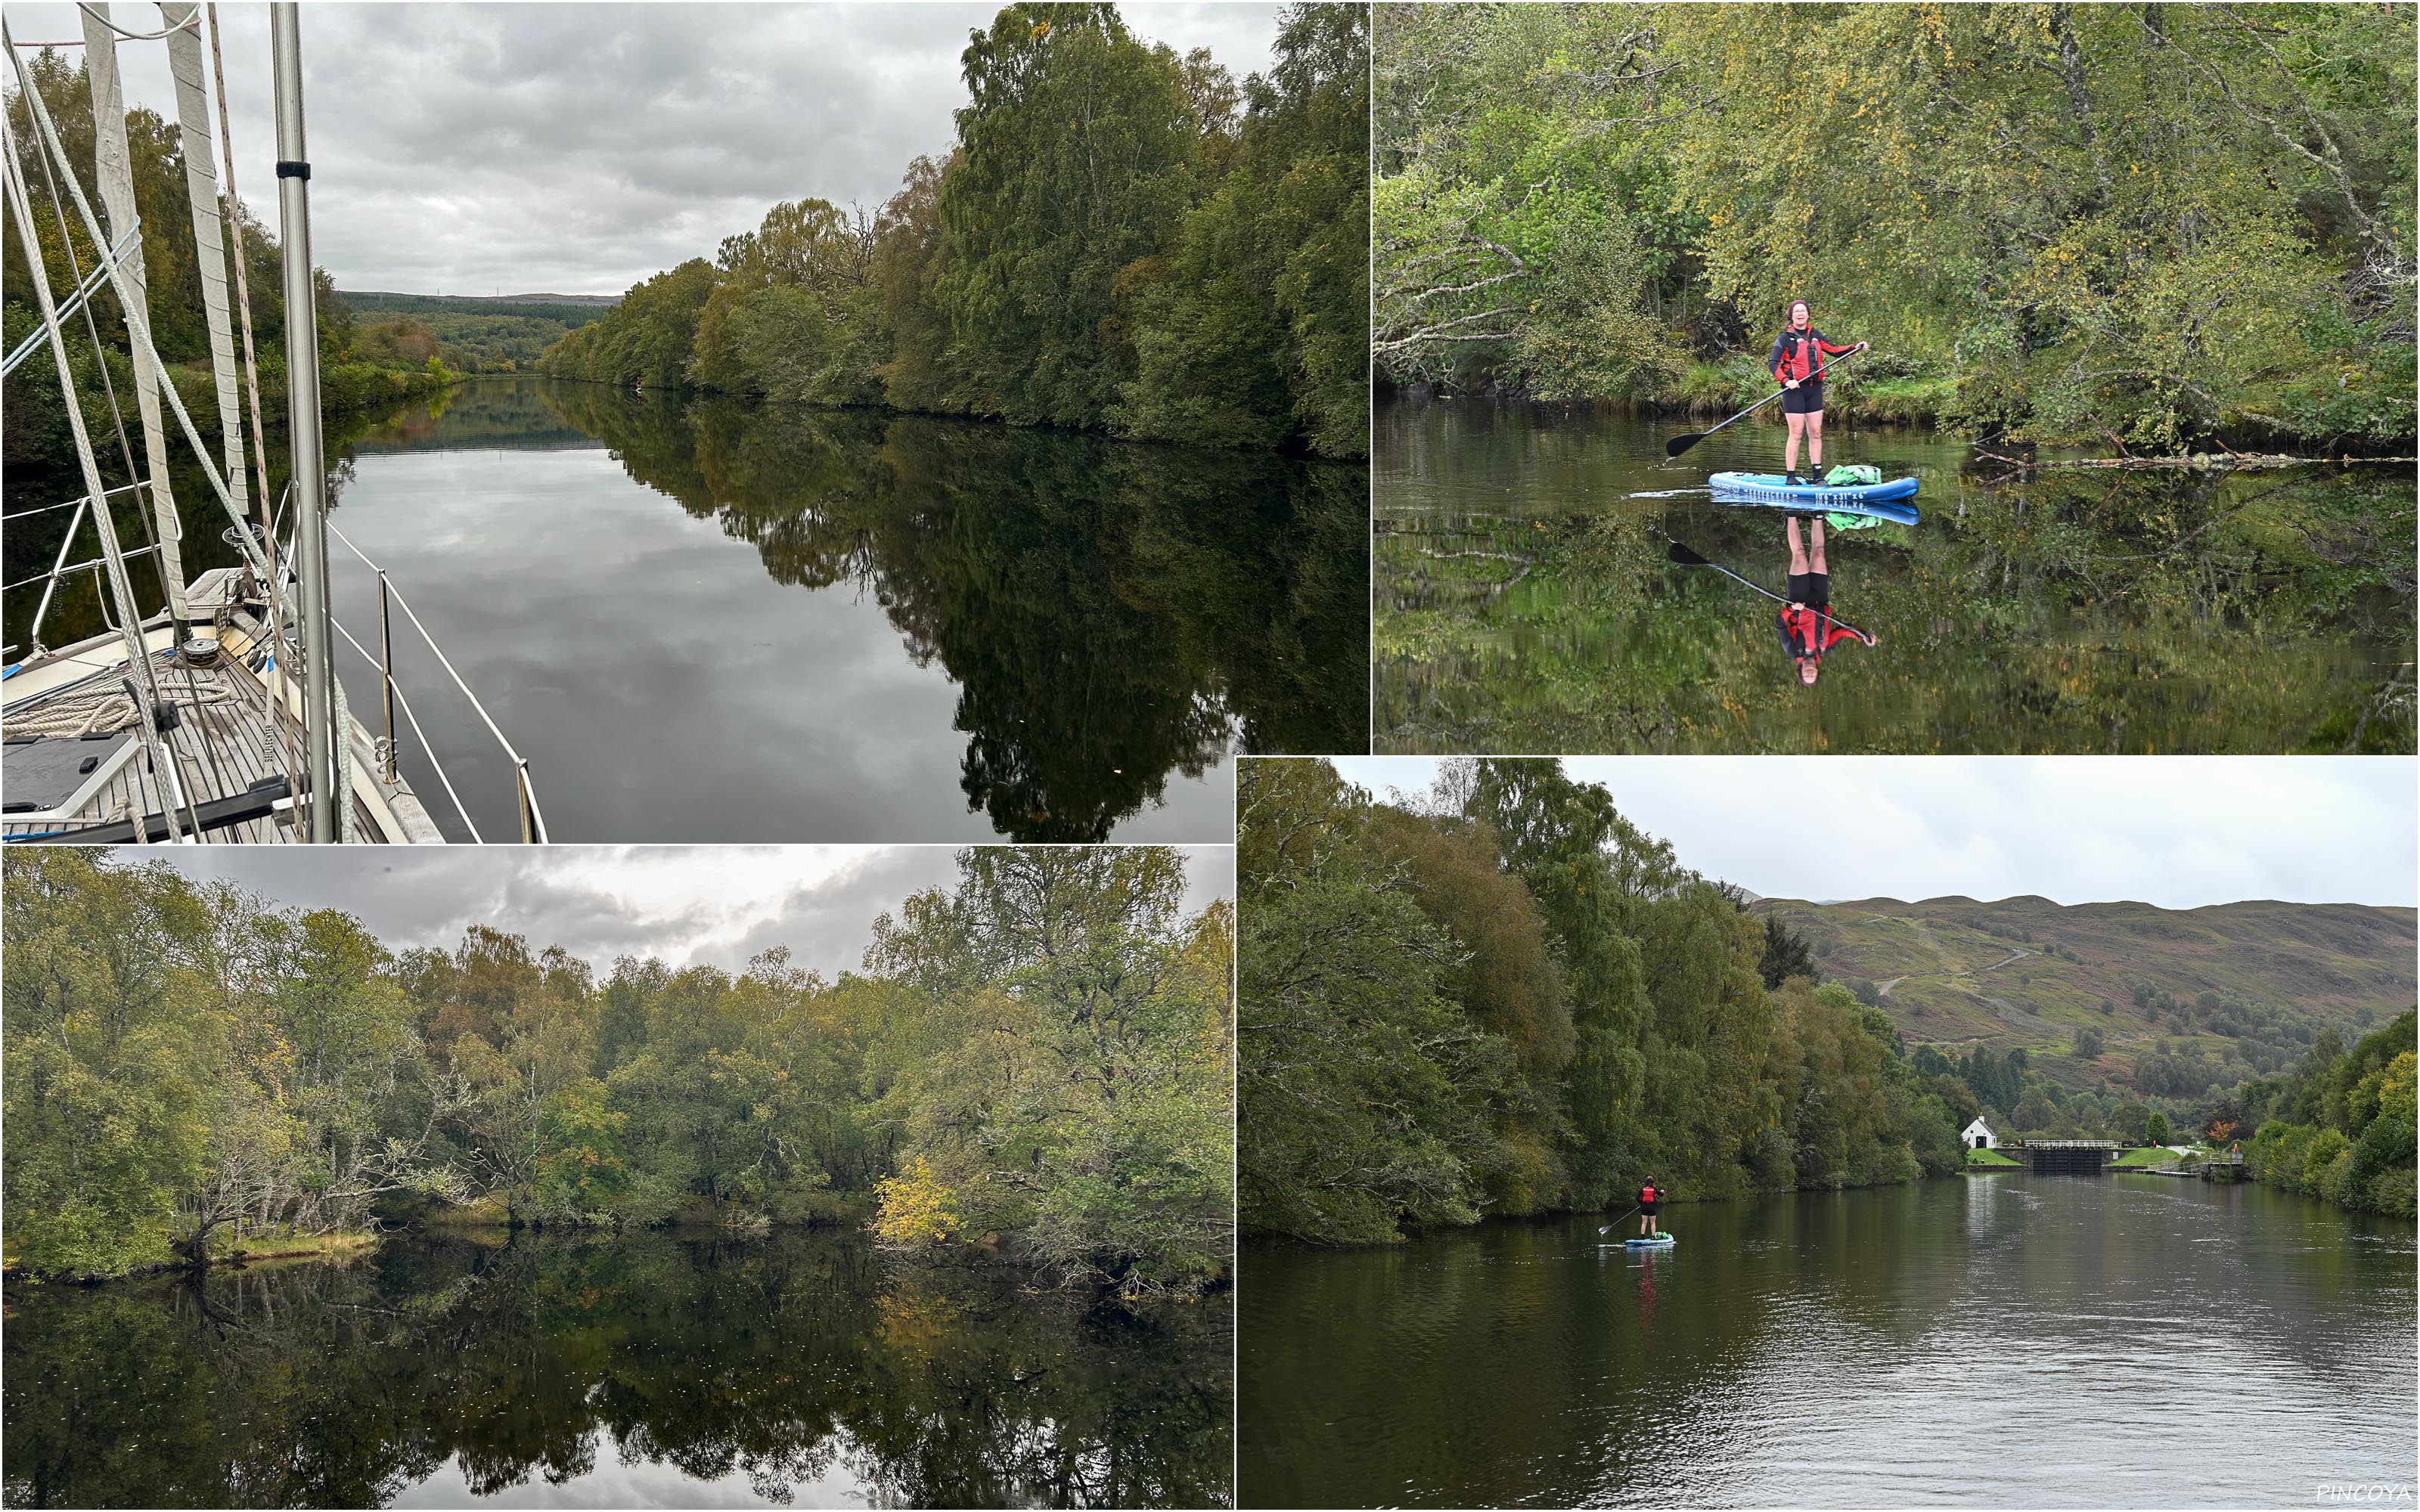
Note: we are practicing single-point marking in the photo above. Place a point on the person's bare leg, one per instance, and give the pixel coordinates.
(1817, 527)
(1797, 549)
(1815, 441)
(1790, 452)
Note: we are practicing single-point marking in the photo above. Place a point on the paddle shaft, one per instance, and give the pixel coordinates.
(1695, 561)
(1682, 444)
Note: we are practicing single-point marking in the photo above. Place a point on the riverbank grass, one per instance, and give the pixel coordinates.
(1988, 1157)
(2152, 1157)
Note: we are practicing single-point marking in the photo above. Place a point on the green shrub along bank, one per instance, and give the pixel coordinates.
(1120, 239)
(2342, 1126)
(1504, 999)
(361, 364)
(2159, 224)
(1035, 1063)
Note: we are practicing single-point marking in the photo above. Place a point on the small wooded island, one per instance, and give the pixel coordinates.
(1033, 1068)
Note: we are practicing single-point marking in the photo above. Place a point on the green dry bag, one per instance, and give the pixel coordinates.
(1852, 472)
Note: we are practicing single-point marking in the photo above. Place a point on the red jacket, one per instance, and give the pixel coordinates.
(1806, 632)
(1799, 354)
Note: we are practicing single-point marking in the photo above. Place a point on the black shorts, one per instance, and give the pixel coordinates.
(1647, 1207)
(1812, 589)
(1806, 400)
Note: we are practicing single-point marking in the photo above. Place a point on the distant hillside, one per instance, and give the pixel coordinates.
(478, 332)
(589, 306)
(2245, 983)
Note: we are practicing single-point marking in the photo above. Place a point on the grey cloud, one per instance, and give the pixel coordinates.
(576, 149)
(428, 897)
(2181, 832)
(828, 929)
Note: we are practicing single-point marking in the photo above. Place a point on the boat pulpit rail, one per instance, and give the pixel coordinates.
(392, 696)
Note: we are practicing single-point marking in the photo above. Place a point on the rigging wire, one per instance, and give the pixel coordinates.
(92, 334)
(101, 14)
(139, 650)
(232, 206)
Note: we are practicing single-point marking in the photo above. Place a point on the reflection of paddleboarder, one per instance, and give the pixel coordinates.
(1808, 628)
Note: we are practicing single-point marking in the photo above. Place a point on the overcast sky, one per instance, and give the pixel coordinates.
(716, 904)
(578, 149)
(2181, 832)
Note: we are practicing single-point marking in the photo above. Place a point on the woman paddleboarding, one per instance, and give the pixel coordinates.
(1800, 356)
(1808, 628)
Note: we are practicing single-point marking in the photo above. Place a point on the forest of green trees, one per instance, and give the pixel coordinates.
(1036, 1063)
(361, 363)
(2153, 223)
(1119, 239)
(2341, 1126)
(1506, 999)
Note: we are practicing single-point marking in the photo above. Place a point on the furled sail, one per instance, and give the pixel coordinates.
(201, 190)
(116, 182)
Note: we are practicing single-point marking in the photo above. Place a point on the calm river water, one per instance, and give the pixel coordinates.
(1992, 1341)
(705, 620)
(1525, 602)
(800, 1370)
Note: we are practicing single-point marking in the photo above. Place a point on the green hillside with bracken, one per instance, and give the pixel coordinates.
(482, 334)
(2097, 990)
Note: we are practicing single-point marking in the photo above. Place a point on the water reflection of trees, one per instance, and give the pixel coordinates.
(1110, 612)
(781, 1360)
(75, 613)
(2080, 612)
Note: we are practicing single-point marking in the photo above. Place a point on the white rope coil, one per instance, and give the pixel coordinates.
(99, 711)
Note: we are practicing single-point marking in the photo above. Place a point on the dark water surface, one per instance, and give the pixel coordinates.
(1525, 602)
(1989, 1341)
(800, 1370)
(705, 620)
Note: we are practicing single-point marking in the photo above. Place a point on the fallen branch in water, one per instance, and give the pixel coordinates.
(1488, 556)
(2197, 462)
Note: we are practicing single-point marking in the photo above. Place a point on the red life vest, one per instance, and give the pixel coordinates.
(1803, 353)
(1647, 1195)
(1806, 632)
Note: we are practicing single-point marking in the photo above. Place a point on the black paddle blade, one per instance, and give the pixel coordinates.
(1682, 444)
(1682, 555)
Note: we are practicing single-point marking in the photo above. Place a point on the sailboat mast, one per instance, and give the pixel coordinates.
(303, 388)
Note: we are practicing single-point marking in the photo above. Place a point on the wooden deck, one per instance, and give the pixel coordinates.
(237, 728)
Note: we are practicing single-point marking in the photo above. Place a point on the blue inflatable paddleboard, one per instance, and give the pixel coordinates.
(1878, 500)
(1659, 1242)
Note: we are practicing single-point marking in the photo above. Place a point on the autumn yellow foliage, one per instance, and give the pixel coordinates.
(918, 1208)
